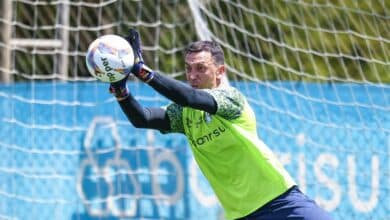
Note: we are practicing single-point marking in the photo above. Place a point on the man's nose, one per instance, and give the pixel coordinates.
(192, 74)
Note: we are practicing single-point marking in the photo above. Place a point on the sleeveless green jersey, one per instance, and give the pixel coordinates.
(240, 168)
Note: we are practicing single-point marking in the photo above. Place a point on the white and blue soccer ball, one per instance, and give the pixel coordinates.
(109, 58)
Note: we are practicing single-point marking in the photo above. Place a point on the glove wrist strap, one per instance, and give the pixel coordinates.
(120, 93)
(144, 73)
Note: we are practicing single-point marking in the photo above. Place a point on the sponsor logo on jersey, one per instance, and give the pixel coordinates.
(212, 135)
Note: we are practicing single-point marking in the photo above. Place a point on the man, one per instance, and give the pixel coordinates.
(221, 129)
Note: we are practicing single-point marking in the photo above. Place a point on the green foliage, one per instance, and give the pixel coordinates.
(332, 40)
(308, 41)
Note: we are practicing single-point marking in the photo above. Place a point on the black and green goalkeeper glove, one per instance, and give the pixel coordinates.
(140, 70)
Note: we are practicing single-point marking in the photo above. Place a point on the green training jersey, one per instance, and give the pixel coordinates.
(240, 168)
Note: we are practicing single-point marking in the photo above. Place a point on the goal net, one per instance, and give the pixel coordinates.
(316, 73)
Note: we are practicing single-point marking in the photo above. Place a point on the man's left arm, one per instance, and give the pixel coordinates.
(183, 94)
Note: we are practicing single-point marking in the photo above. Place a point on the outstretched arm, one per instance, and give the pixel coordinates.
(141, 117)
(156, 118)
(183, 94)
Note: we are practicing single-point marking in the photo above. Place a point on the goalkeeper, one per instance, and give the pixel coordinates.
(221, 129)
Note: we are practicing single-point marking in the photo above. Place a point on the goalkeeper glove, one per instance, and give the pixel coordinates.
(119, 89)
(140, 70)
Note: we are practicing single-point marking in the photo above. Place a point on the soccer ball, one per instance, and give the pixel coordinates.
(109, 58)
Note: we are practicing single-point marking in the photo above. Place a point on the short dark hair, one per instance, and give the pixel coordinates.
(211, 46)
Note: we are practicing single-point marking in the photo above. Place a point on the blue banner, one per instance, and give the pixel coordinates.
(68, 152)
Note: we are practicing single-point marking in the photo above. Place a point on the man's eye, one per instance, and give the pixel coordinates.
(201, 68)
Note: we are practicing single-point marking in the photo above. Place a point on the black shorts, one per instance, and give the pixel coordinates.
(292, 204)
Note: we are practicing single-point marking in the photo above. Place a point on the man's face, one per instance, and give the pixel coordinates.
(201, 70)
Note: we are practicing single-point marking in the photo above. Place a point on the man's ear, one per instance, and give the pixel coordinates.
(220, 71)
